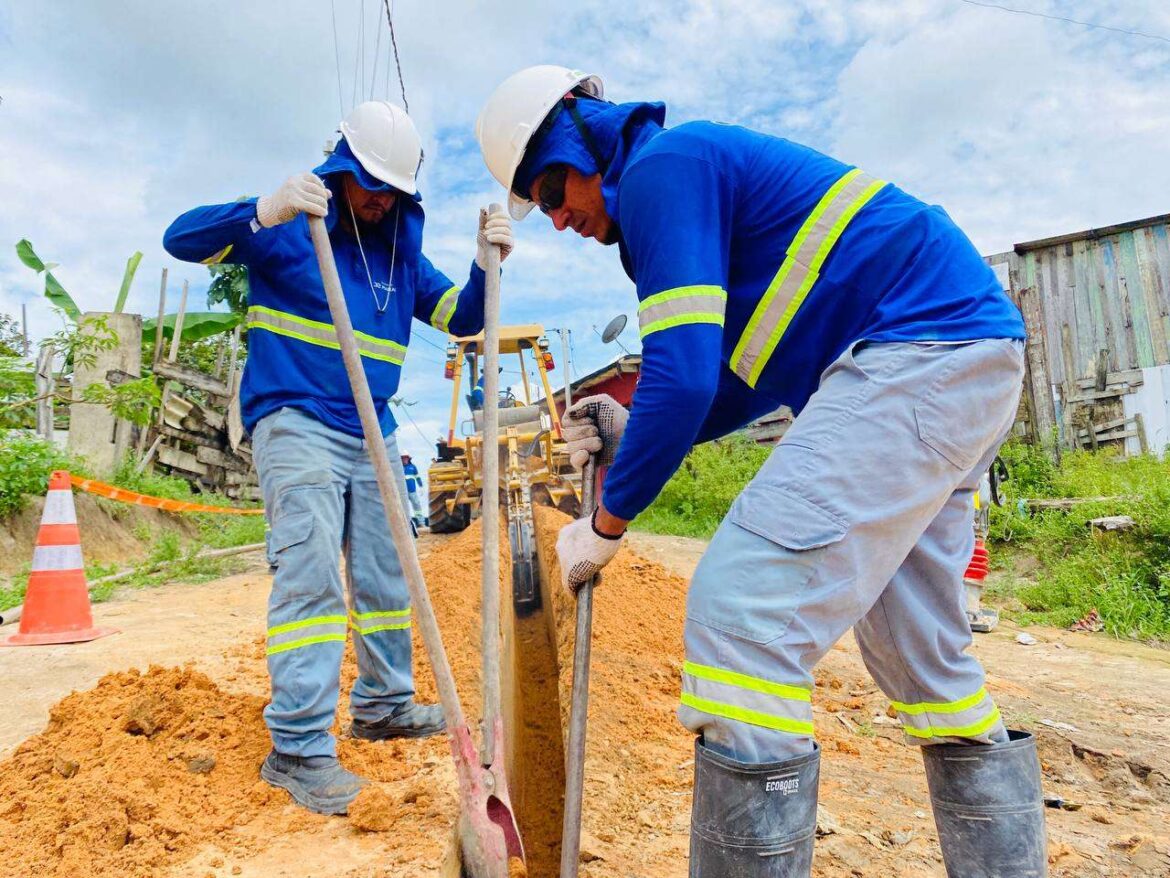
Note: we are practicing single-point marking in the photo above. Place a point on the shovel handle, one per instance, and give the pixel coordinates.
(490, 499)
(424, 613)
(579, 706)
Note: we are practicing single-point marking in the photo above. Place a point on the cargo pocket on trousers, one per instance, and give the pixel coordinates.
(290, 529)
(975, 392)
(753, 579)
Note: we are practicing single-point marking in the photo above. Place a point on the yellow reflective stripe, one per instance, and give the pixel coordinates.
(785, 267)
(743, 681)
(322, 334)
(681, 293)
(445, 309)
(219, 257)
(973, 730)
(305, 641)
(829, 242)
(682, 306)
(375, 613)
(373, 629)
(306, 623)
(751, 717)
(681, 320)
(941, 706)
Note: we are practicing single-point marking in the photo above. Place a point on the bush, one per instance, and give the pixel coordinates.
(698, 496)
(25, 464)
(1125, 575)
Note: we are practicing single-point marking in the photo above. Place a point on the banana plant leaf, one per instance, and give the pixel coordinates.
(196, 324)
(127, 280)
(54, 292)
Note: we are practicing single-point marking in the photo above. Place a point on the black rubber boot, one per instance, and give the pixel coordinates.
(410, 720)
(988, 808)
(753, 821)
(318, 783)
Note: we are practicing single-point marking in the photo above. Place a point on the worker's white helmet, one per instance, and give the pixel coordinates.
(513, 114)
(385, 141)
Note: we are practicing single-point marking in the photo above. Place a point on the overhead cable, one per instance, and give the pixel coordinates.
(1088, 24)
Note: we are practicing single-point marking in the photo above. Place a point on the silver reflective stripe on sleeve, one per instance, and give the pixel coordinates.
(681, 306)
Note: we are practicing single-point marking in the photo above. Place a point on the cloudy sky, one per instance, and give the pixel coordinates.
(117, 116)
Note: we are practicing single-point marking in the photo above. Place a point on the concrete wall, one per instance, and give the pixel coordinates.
(94, 433)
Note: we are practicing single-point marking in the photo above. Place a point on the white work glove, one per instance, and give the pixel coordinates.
(594, 425)
(494, 228)
(582, 552)
(304, 193)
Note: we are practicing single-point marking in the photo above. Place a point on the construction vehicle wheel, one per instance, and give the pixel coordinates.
(443, 521)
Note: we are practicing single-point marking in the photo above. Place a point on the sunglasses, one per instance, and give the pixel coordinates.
(551, 194)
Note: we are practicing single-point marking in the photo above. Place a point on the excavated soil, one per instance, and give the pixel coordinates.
(155, 773)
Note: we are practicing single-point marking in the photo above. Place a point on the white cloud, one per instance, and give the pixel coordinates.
(118, 115)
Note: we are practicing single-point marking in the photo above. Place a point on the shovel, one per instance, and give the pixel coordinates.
(487, 830)
(579, 704)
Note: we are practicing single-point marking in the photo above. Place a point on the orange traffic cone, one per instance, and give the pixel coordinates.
(56, 605)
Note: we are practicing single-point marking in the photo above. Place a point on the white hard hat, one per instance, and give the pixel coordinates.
(385, 141)
(514, 112)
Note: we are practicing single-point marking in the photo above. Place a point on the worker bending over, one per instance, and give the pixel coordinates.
(768, 273)
(320, 493)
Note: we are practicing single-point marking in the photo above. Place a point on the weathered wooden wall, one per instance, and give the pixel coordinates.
(1110, 287)
(1105, 290)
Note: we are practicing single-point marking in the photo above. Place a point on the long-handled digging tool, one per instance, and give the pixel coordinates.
(579, 705)
(492, 745)
(487, 830)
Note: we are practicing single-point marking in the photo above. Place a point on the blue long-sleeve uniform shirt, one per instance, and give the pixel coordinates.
(716, 222)
(293, 358)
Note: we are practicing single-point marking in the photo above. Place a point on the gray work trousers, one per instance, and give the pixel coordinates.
(862, 518)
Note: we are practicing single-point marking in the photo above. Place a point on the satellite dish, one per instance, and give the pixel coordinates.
(613, 329)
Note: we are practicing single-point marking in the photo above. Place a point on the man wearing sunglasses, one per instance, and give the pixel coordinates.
(768, 274)
(320, 493)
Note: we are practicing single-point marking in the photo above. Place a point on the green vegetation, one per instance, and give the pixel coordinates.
(1051, 567)
(698, 496)
(1124, 575)
(25, 464)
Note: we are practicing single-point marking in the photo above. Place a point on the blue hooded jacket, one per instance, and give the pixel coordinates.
(293, 357)
(757, 261)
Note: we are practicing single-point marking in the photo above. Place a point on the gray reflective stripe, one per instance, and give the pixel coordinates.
(57, 558)
(306, 632)
(379, 620)
(681, 306)
(445, 309)
(970, 717)
(745, 699)
(59, 508)
(799, 271)
(323, 334)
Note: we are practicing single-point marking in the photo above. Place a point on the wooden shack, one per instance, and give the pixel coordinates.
(1097, 307)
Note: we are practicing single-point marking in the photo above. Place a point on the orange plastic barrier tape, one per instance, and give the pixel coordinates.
(101, 489)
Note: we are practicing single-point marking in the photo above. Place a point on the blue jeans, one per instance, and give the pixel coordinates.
(862, 518)
(321, 497)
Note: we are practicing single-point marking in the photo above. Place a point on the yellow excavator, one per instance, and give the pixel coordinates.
(534, 466)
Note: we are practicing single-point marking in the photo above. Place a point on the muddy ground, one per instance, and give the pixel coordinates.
(153, 772)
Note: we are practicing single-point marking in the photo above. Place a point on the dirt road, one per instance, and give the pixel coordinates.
(1097, 705)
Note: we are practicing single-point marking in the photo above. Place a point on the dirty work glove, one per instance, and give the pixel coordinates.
(303, 193)
(594, 425)
(583, 551)
(494, 228)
